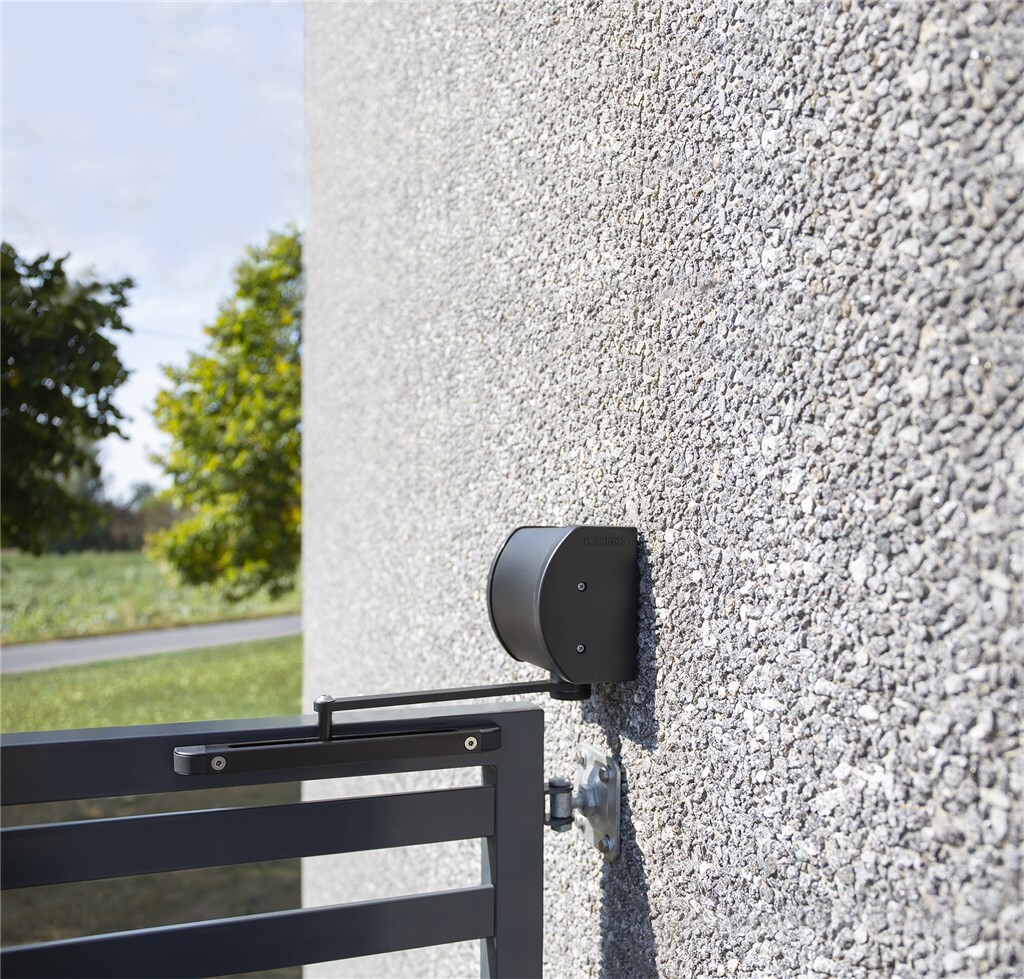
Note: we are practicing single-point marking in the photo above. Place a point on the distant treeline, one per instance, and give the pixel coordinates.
(119, 526)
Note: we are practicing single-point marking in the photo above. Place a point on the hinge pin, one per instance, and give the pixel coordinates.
(560, 810)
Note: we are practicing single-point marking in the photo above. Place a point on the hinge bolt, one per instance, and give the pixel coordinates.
(605, 845)
(470, 743)
(603, 774)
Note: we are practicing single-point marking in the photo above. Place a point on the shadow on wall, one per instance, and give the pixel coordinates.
(627, 933)
(627, 711)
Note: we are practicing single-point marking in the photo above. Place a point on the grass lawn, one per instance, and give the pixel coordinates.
(256, 679)
(94, 593)
(249, 679)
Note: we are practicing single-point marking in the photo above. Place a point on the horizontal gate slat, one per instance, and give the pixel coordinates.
(265, 941)
(103, 848)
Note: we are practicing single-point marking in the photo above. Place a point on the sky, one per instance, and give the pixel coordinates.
(156, 141)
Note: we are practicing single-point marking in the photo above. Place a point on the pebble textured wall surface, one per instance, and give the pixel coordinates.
(748, 275)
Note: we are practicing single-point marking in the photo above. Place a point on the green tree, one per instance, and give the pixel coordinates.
(58, 376)
(233, 415)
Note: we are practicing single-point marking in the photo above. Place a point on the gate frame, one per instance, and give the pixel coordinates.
(505, 912)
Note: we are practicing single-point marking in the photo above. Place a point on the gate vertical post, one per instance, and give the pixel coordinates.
(513, 859)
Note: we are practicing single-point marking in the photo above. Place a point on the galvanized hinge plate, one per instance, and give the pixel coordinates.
(596, 799)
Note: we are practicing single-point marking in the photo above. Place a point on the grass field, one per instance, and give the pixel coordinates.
(93, 593)
(251, 679)
(248, 680)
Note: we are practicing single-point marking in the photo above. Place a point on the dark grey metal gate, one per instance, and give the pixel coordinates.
(506, 811)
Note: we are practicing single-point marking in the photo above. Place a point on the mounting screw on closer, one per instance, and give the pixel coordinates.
(581, 586)
(218, 763)
(581, 648)
(470, 743)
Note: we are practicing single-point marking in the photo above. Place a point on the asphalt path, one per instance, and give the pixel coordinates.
(18, 657)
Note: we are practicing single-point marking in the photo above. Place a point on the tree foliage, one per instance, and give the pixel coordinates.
(59, 373)
(233, 415)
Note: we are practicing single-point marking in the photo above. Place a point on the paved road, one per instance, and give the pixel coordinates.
(69, 652)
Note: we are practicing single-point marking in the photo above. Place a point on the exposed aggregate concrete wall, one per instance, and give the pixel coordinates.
(748, 275)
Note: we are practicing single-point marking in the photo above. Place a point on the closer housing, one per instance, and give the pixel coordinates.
(565, 599)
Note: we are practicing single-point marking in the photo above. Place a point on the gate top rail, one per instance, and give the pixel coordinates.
(51, 766)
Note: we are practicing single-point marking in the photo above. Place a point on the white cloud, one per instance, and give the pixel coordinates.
(127, 185)
(204, 34)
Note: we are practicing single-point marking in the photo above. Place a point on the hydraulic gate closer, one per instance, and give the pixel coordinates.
(560, 598)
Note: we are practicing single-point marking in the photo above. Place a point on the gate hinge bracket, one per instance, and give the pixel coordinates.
(594, 797)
